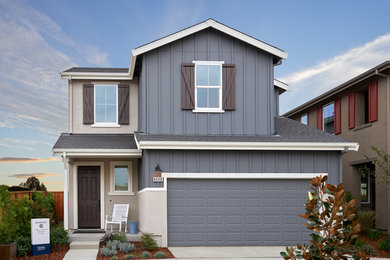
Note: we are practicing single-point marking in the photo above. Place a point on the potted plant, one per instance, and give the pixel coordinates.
(8, 227)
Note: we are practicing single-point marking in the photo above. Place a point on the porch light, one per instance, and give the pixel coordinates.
(157, 171)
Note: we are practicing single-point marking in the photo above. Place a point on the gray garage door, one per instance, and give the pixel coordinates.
(236, 212)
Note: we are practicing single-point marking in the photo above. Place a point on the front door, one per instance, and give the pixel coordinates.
(89, 197)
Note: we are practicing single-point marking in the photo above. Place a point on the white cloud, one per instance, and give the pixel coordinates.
(31, 92)
(311, 82)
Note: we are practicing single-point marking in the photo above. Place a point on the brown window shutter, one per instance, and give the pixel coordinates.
(188, 86)
(88, 104)
(351, 110)
(123, 104)
(337, 116)
(228, 87)
(373, 102)
(319, 119)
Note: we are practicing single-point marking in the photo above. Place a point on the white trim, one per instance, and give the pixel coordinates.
(66, 191)
(189, 145)
(259, 176)
(150, 189)
(105, 124)
(129, 165)
(281, 84)
(131, 153)
(96, 75)
(209, 109)
(75, 192)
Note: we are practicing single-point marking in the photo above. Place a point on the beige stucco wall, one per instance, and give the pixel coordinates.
(153, 213)
(375, 134)
(77, 126)
(109, 200)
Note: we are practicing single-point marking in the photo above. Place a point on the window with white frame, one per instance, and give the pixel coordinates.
(106, 104)
(121, 178)
(304, 119)
(329, 118)
(208, 86)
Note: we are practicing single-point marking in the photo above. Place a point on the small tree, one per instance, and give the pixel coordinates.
(334, 223)
(33, 184)
(383, 162)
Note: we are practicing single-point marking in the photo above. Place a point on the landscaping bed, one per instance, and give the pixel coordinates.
(137, 252)
(57, 252)
(375, 246)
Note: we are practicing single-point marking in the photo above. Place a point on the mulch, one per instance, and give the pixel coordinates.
(137, 252)
(375, 244)
(57, 252)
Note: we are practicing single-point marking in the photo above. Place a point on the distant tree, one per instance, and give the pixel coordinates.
(17, 188)
(33, 183)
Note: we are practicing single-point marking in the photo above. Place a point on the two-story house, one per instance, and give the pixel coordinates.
(198, 108)
(358, 110)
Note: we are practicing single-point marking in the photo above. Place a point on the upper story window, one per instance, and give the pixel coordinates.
(208, 86)
(106, 104)
(304, 119)
(329, 118)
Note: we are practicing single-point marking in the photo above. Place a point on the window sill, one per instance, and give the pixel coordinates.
(125, 193)
(208, 111)
(105, 125)
(362, 126)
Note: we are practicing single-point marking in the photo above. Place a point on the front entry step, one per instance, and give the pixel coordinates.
(84, 245)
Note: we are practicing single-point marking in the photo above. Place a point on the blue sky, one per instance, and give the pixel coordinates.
(328, 43)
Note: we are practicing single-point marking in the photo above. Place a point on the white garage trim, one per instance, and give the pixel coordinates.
(258, 176)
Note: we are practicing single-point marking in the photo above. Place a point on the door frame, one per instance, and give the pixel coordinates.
(75, 192)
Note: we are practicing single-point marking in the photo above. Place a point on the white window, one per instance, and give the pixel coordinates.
(106, 105)
(329, 118)
(208, 86)
(121, 178)
(304, 119)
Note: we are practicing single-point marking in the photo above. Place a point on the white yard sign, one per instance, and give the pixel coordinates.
(40, 231)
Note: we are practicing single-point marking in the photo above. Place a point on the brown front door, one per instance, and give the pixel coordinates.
(89, 196)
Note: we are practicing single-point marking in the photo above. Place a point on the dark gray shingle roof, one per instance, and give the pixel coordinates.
(97, 70)
(95, 141)
(287, 130)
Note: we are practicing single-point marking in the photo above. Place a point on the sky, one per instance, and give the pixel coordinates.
(328, 42)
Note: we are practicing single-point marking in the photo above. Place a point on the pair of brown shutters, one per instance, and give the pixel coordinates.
(372, 110)
(123, 104)
(188, 86)
(372, 105)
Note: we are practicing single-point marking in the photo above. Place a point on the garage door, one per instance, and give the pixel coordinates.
(236, 212)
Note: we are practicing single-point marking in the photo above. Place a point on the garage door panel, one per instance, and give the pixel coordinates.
(236, 212)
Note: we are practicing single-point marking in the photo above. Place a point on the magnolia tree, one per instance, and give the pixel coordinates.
(333, 222)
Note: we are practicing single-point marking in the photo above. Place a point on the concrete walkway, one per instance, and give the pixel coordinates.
(82, 250)
(228, 252)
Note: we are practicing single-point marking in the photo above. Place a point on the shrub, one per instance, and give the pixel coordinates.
(113, 244)
(145, 254)
(333, 221)
(126, 247)
(43, 206)
(127, 257)
(113, 258)
(107, 252)
(366, 220)
(8, 227)
(120, 237)
(385, 243)
(107, 237)
(58, 235)
(373, 234)
(147, 242)
(160, 255)
(348, 196)
(23, 246)
(23, 216)
(366, 248)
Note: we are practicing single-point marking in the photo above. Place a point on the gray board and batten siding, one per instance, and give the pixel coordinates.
(160, 87)
(187, 161)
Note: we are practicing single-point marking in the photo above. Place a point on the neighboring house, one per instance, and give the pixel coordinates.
(357, 110)
(198, 108)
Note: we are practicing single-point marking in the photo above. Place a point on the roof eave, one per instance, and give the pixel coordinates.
(96, 75)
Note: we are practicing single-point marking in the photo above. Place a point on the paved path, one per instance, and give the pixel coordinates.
(228, 252)
(81, 254)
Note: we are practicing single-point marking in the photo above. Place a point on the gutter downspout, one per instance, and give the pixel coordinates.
(70, 104)
(66, 190)
(387, 126)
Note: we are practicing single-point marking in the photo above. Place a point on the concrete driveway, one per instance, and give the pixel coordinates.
(228, 252)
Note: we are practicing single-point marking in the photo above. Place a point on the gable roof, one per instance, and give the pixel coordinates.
(289, 135)
(210, 23)
(381, 69)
